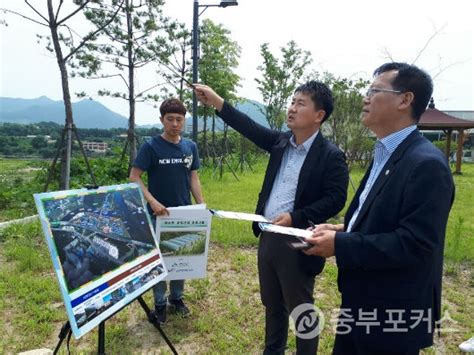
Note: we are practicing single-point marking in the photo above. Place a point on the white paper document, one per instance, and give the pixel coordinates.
(184, 237)
(295, 232)
(240, 215)
(188, 207)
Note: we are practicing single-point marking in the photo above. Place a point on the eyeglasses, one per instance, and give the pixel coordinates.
(373, 91)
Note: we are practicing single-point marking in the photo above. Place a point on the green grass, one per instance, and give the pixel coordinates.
(227, 315)
(29, 297)
(232, 195)
(15, 190)
(460, 232)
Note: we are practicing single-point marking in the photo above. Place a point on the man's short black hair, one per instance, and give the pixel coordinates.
(410, 78)
(172, 105)
(320, 94)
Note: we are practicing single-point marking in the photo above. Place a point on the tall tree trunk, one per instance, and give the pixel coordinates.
(213, 141)
(66, 152)
(204, 141)
(181, 81)
(131, 89)
(224, 151)
(242, 153)
(182, 72)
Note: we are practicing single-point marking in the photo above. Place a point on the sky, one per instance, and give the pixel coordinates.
(346, 38)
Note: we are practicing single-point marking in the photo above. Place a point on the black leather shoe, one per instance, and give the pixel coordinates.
(179, 307)
(160, 314)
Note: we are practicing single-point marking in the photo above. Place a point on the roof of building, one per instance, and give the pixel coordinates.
(434, 119)
(464, 114)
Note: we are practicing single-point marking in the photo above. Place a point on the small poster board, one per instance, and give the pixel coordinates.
(184, 241)
(103, 250)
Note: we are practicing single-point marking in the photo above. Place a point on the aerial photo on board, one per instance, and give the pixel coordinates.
(98, 232)
(182, 243)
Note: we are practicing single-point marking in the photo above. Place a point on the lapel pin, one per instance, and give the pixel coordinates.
(387, 172)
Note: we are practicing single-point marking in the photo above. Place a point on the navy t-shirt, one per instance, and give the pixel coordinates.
(169, 167)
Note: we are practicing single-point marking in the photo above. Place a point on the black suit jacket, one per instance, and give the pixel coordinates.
(393, 256)
(322, 183)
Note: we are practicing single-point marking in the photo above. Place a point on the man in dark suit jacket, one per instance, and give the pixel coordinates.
(389, 251)
(306, 180)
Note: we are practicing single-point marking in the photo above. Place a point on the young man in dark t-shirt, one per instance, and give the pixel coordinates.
(171, 163)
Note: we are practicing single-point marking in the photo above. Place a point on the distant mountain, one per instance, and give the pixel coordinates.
(253, 109)
(87, 113)
(148, 126)
(92, 114)
(250, 107)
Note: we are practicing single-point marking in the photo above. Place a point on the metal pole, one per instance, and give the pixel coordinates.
(195, 66)
(459, 152)
(101, 340)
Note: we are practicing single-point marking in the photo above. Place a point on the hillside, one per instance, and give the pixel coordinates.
(87, 113)
(250, 107)
(92, 114)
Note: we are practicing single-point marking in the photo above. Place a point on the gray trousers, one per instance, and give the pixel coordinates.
(283, 286)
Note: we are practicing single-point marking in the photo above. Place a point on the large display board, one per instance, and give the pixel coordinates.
(103, 250)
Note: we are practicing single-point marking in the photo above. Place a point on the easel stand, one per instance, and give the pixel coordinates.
(152, 319)
(67, 332)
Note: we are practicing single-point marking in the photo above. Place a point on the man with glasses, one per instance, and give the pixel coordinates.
(389, 251)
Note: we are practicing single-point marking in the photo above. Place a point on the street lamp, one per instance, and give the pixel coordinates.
(196, 14)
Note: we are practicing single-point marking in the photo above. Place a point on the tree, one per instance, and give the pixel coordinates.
(176, 69)
(219, 57)
(135, 38)
(63, 37)
(279, 80)
(344, 127)
(39, 142)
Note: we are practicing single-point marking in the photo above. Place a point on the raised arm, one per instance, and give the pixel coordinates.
(263, 137)
(209, 97)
